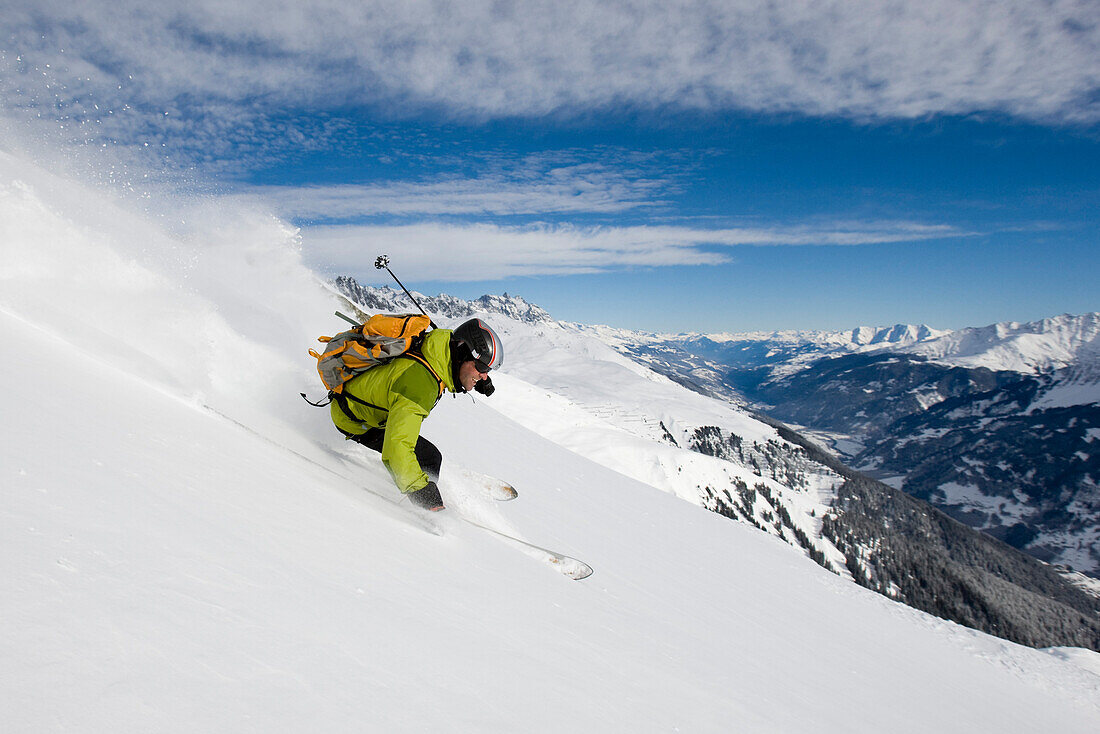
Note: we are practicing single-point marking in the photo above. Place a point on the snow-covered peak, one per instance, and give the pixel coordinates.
(514, 307)
(388, 299)
(899, 335)
(1038, 346)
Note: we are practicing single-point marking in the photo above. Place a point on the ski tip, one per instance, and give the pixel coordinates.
(571, 567)
(505, 493)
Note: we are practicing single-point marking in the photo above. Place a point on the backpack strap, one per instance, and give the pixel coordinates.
(341, 401)
(420, 358)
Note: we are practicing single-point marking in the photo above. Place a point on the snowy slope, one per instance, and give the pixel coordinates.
(186, 546)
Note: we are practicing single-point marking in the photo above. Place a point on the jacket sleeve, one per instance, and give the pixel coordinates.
(399, 444)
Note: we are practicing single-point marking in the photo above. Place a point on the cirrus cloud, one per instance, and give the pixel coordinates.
(482, 251)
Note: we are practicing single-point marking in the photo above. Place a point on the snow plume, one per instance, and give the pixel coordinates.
(189, 299)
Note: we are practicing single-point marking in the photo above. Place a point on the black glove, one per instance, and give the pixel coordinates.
(427, 497)
(485, 387)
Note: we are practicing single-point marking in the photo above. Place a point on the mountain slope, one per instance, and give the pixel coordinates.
(1009, 462)
(207, 563)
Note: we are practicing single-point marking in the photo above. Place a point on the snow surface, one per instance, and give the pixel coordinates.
(186, 546)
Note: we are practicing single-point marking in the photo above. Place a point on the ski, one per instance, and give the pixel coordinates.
(498, 491)
(502, 492)
(491, 486)
(574, 568)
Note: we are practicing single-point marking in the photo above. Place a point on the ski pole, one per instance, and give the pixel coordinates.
(383, 263)
(349, 319)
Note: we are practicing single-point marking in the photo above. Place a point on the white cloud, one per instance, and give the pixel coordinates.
(447, 252)
(539, 186)
(210, 69)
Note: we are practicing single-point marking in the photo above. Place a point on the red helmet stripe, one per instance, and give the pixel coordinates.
(492, 361)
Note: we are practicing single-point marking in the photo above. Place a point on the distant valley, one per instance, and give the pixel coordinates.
(998, 426)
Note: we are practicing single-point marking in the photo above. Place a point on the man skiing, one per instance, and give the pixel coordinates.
(383, 407)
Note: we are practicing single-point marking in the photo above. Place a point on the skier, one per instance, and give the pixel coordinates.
(383, 407)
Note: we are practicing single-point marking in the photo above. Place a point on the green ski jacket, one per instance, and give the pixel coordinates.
(400, 394)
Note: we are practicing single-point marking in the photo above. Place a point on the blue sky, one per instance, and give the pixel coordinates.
(706, 166)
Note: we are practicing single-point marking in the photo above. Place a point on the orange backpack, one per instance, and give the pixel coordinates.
(376, 342)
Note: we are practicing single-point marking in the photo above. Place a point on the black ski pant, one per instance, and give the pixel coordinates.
(427, 455)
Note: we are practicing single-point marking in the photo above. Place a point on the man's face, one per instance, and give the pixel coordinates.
(468, 375)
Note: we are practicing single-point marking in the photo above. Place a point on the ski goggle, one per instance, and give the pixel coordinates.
(481, 366)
